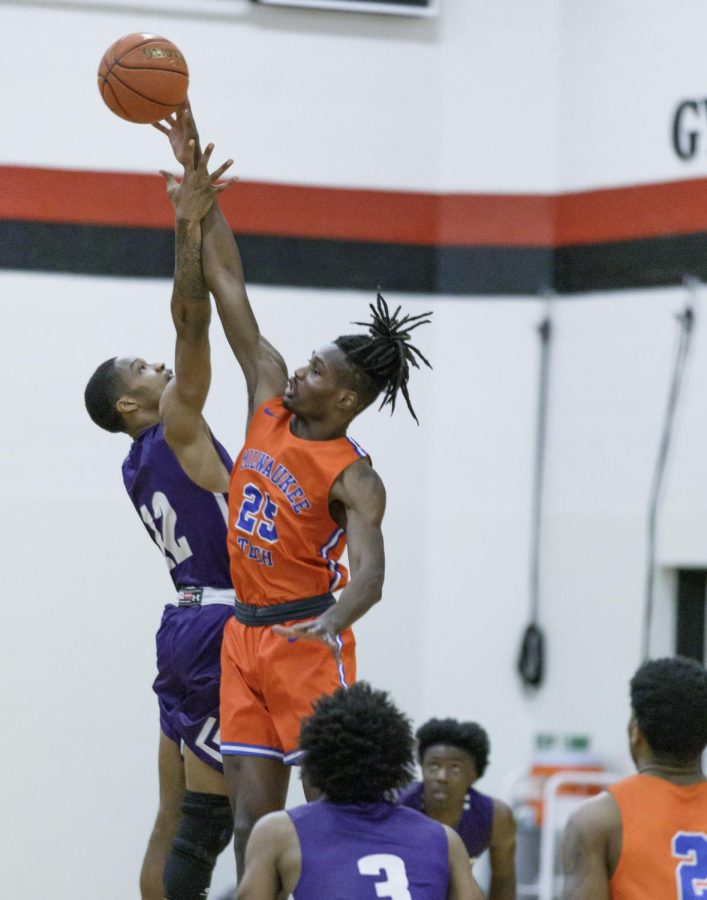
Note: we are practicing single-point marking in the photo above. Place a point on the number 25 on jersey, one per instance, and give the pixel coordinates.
(257, 514)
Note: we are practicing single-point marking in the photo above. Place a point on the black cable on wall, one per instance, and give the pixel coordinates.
(685, 321)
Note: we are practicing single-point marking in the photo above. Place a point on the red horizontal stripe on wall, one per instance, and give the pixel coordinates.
(140, 201)
(401, 217)
(629, 213)
(495, 220)
(83, 198)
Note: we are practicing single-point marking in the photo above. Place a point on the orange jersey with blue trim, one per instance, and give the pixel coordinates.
(664, 840)
(282, 541)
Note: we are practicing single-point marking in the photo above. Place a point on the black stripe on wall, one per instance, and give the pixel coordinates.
(297, 262)
(649, 262)
(690, 624)
(311, 262)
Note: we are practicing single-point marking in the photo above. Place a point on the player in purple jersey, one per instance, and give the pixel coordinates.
(453, 756)
(177, 476)
(356, 843)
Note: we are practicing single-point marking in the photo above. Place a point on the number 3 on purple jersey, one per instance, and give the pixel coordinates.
(691, 873)
(395, 884)
(257, 514)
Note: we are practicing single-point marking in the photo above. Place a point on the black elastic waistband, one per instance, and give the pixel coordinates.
(290, 610)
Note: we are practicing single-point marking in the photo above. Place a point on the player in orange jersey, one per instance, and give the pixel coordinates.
(646, 839)
(301, 489)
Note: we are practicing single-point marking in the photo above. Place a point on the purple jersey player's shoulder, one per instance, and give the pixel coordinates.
(355, 850)
(188, 523)
(476, 822)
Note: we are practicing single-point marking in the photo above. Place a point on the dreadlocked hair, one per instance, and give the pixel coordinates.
(381, 359)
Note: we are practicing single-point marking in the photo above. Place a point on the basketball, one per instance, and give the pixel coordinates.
(143, 77)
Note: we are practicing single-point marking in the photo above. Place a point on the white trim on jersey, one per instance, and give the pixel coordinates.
(208, 733)
(332, 564)
(357, 447)
(250, 750)
(293, 758)
(223, 506)
(339, 664)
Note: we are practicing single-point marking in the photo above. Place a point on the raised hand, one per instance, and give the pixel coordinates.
(193, 195)
(180, 129)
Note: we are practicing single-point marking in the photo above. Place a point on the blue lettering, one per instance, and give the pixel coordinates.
(262, 557)
(263, 461)
(295, 495)
(279, 475)
(280, 472)
(287, 483)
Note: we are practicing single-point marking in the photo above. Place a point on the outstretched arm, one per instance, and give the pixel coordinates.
(264, 368)
(360, 491)
(183, 399)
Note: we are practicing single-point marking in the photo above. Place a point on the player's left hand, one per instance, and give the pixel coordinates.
(180, 129)
(313, 630)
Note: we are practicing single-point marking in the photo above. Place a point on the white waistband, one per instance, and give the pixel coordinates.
(215, 595)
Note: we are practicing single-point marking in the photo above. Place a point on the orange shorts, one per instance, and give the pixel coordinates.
(269, 684)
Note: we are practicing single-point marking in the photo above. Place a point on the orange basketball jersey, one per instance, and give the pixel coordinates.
(282, 541)
(664, 840)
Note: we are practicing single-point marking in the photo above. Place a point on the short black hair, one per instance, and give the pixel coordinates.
(358, 747)
(380, 360)
(102, 391)
(669, 700)
(467, 736)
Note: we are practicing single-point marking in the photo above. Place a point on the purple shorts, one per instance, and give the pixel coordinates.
(188, 676)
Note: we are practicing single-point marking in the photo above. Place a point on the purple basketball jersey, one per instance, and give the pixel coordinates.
(368, 850)
(187, 523)
(476, 822)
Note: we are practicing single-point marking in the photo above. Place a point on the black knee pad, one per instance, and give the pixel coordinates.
(205, 829)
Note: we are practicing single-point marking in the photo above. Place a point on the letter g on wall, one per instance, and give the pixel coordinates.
(689, 128)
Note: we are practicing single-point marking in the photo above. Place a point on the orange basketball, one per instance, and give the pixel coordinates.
(143, 77)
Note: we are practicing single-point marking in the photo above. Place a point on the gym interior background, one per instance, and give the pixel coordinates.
(484, 163)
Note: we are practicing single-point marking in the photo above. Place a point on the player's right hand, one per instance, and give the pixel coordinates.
(193, 196)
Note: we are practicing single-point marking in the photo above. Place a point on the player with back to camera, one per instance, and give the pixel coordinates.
(356, 842)
(453, 756)
(301, 490)
(646, 836)
(177, 474)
